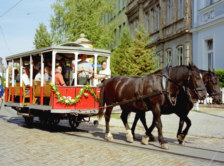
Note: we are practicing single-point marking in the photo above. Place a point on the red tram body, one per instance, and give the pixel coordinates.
(42, 101)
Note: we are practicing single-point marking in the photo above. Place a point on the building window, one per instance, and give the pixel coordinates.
(124, 3)
(158, 17)
(119, 33)
(180, 55)
(181, 9)
(115, 37)
(210, 2)
(147, 22)
(169, 15)
(168, 57)
(158, 60)
(152, 21)
(210, 53)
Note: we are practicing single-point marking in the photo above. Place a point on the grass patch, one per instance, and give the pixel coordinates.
(115, 116)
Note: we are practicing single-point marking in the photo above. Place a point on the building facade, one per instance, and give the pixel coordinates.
(208, 33)
(118, 18)
(168, 22)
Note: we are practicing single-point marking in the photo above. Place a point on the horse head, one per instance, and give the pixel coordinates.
(195, 82)
(212, 85)
(170, 87)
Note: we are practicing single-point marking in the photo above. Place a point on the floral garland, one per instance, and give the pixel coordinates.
(64, 100)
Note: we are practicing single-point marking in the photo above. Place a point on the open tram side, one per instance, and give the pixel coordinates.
(42, 98)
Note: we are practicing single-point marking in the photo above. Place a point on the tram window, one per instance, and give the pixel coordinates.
(65, 61)
(103, 69)
(85, 69)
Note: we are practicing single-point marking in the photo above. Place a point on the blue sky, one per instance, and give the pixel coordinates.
(19, 24)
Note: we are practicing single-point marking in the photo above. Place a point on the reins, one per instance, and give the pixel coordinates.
(141, 98)
(134, 99)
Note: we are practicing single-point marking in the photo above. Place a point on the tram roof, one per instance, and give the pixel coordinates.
(61, 49)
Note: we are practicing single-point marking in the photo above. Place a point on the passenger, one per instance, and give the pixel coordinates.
(47, 73)
(38, 76)
(65, 70)
(104, 73)
(17, 76)
(58, 77)
(25, 76)
(84, 70)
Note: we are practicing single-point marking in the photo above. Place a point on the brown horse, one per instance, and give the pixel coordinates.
(119, 89)
(211, 82)
(185, 102)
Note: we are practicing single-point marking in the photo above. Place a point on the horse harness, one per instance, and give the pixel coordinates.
(141, 98)
(164, 91)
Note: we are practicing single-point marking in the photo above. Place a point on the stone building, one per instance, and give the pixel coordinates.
(208, 33)
(118, 18)
(168, 22)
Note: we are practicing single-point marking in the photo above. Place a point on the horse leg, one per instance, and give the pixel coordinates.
(149, 136)
(137, 116)
(184, 133)
(158, 124)
(108, 136)
(179, 135)
(124, 118)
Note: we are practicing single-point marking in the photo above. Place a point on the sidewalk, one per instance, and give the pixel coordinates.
(206, 129)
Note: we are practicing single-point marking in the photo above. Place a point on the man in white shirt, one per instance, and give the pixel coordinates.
(25, 77)
(85, 70)
(105, 73)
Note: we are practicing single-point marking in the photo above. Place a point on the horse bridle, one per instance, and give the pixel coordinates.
(212, 94)
(195, 90)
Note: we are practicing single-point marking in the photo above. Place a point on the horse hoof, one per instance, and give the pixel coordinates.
(164, 146)
(145, 140)
(109, 137)
(181, 142)
(180, 137)
(129, 137)
(152, 138)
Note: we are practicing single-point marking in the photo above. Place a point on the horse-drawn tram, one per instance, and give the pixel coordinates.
(53, 83)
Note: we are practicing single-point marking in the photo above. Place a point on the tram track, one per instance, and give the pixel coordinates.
(174, 149)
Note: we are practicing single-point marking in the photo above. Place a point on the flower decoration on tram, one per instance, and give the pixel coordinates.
(83, 91)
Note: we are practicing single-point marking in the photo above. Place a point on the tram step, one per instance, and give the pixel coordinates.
(24, 114)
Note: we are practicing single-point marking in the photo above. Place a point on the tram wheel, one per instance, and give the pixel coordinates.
(28, 121)
(73, 121)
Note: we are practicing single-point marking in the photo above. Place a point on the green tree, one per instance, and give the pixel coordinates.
(132, 58)
(119, 56)
(73, 17)
(42, 37)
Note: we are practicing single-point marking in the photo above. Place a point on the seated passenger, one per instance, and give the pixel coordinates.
(38, 76)
(47, 73)
(17, 76)
(104, 73)
(59, 80)
(25, 77)
(84, 70)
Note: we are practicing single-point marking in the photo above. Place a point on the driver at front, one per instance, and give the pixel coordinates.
(85, 70)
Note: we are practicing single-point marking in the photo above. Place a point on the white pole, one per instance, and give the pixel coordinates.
(13, 73)
(21, 72)
(95, 81)
(31, 71)
(76, 67)
(108, 62)
(53, 66)
(42, 69)
(7, 75)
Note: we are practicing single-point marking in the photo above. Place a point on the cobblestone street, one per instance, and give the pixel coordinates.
(20, 145)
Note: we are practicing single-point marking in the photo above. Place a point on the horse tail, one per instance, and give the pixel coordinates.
(102, 101)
